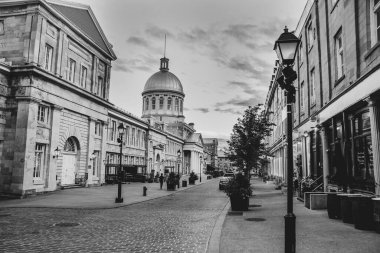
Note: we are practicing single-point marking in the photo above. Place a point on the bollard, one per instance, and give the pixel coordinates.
(144, 190)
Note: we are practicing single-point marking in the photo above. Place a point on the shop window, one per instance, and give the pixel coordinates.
(363, 156)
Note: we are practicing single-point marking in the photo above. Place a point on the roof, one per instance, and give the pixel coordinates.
(83, 18)
(163, 81)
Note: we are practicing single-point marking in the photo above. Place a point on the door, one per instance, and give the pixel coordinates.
(68, 169)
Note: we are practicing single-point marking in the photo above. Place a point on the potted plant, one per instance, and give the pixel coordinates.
(192, 177)
(171, 182)
(238, 189)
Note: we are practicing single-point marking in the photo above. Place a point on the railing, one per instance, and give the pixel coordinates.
(309, 185)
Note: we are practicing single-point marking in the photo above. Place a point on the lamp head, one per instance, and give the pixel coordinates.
(286, 47)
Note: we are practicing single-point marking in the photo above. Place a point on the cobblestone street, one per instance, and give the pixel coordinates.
(181, 222)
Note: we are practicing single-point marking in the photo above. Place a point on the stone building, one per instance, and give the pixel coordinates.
(57, 125)
(211, 145)
(336, 113)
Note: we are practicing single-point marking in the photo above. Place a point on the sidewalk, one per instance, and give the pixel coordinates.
(98, 197)
(315, 232)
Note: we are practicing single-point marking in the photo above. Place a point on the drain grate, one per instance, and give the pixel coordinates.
(4, 214)
(254, 205)
(67, 224)
(255, 219)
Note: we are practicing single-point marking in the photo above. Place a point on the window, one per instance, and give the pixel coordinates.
(161, 103)
(97, 128)
(96, 163)
(153, 103)
(133, 137)
(310, 35)
(180, 105)
(113, 131)
(339, 61)
(39, 160)
(169, 103)
(43, 114)
(312, 86)
(48, 57)
(83, 77)
(138, 138)
(72, 64)
(1, 27)
(99, 90)
(127, 135)
(375, 22)
(147, 104)
(176, 107)
(302, 95)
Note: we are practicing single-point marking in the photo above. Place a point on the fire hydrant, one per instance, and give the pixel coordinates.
(144, 190)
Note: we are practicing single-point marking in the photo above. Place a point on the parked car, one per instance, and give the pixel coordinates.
(223, 180)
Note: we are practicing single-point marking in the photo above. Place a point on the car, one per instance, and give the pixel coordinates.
(224, 180)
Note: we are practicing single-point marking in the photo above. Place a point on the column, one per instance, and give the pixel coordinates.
(325, 154)
(304, 157)
(90, 150)
(375, 136)
(35, 39)
(54, 143)
(41, 54)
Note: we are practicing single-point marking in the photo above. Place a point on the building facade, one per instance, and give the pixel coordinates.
(336, 113)
(57, 125)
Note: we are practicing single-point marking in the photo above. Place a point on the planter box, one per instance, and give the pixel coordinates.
(362, 212)
(376, 214)
(333, 205)
(239, 203)
(318, 201)
(346, 207)
(306, 199)
(191, 181)
(170, 187)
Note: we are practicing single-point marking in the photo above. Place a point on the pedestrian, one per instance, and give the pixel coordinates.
(161, 181)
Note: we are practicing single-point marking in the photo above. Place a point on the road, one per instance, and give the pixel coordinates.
(182, 222)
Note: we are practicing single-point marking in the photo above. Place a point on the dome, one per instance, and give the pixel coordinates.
(163, 80)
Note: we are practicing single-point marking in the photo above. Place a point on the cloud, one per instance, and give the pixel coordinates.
(240, 32)
(138, 41)
(157, 32)
(129, 65)
(245, 86)
(239, 102)
(228, 110)
(204, 110)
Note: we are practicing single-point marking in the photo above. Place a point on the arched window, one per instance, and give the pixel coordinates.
(181, 105)
(70, 145)
(176, 108)
(161, 103)
(153, 103)
(169, 103)
(147, 104)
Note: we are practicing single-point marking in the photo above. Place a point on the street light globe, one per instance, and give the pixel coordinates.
(286, 47)
(121, 128)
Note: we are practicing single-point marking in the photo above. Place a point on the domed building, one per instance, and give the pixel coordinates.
(163, 96)
(182, 148)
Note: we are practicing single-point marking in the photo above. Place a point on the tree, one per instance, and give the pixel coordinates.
(246, 144)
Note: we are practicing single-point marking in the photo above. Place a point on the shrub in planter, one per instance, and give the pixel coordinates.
(171, 182)
(239, 190)
(192, 178)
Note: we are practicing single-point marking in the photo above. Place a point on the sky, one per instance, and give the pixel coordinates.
(221, 50)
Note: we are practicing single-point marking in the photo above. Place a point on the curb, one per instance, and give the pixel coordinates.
(213, 243)
(109, 207)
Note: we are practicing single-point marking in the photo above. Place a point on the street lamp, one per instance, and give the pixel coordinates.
(200, 169)
(178, 159)
(286, 47)
(120, 129)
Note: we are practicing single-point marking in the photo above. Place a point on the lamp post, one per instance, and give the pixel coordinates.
(286, 47)
(120, 129)
(200, 168)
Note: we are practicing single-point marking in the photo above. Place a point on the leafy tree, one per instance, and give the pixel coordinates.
(246, 144)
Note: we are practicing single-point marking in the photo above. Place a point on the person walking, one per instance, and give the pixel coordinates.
(161, 181)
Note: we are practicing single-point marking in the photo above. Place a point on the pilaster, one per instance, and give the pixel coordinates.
(325, 155)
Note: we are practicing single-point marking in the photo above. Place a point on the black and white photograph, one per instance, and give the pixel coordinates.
(190, 126)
